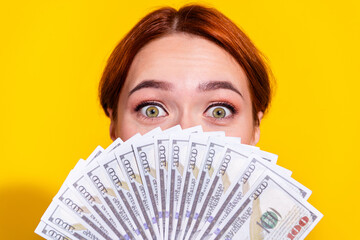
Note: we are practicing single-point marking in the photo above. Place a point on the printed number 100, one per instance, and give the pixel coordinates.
(297, 228)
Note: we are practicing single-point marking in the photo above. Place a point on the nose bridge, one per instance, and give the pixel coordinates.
(187, 117)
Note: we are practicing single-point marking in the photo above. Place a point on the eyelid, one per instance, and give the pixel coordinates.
(148, 103)
(223, 104)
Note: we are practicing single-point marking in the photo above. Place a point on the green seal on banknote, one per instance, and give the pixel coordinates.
(269, 219)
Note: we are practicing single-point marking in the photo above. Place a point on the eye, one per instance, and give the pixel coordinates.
(152, 110)
(219, 111)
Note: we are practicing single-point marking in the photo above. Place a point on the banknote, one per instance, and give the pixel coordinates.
(93, 197)
(94, 201)
(125, 198)
(197, 148)
(214, 150)
(118, 206)
(232, 162)
(228, 170)
(49, 232)
(161, 151)
(130, 168)
(145, 159)
(120, 183)
(178, 146)
(64, 222)
(230, 201)
(178, 149)
(126, 163)
(73, 202)
(260, 215)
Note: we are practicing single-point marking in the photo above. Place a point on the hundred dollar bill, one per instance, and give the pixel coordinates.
(145, 159)
(92, 199)
(119, 181)
(73, 202)
(214, 150)
(269, 211)
(118, 199)
(117, 205)
(234, 159)
(194, 157)
(125, 165)
(161, 151)
(196, 150)
(98, 180)
(129, 166)
(230, 201)
(49, 232)
(68, 224)
(178, 146)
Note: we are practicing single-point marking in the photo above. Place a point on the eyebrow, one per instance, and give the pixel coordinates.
(152, 84)
(214, 85)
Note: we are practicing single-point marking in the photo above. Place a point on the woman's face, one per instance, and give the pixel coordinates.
(187, 80)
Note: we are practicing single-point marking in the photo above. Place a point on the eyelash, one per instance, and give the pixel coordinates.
(147, 103)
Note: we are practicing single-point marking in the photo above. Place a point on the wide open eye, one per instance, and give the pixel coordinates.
(152, 111)
(219, 111)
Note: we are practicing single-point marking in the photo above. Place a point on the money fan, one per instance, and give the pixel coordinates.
(179, 184)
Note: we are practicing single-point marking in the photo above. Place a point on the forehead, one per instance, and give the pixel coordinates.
(186, 60)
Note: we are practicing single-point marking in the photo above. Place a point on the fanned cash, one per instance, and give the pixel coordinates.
(260, 215)
(179, 184)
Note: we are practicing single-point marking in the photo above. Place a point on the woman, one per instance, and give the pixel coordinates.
(189, 67)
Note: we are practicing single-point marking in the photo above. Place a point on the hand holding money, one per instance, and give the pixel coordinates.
(179, 184)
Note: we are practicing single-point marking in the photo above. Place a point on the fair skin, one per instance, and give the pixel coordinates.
(187, 80)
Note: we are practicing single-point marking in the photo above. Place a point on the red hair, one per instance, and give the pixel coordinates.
(197, 20)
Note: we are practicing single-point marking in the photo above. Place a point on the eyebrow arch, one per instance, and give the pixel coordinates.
(152, 84)
(213, 85)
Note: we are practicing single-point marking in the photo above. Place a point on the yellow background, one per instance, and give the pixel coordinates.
(51, 57)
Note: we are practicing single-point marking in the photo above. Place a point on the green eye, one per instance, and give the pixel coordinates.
(152, 111)
(218, 112)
